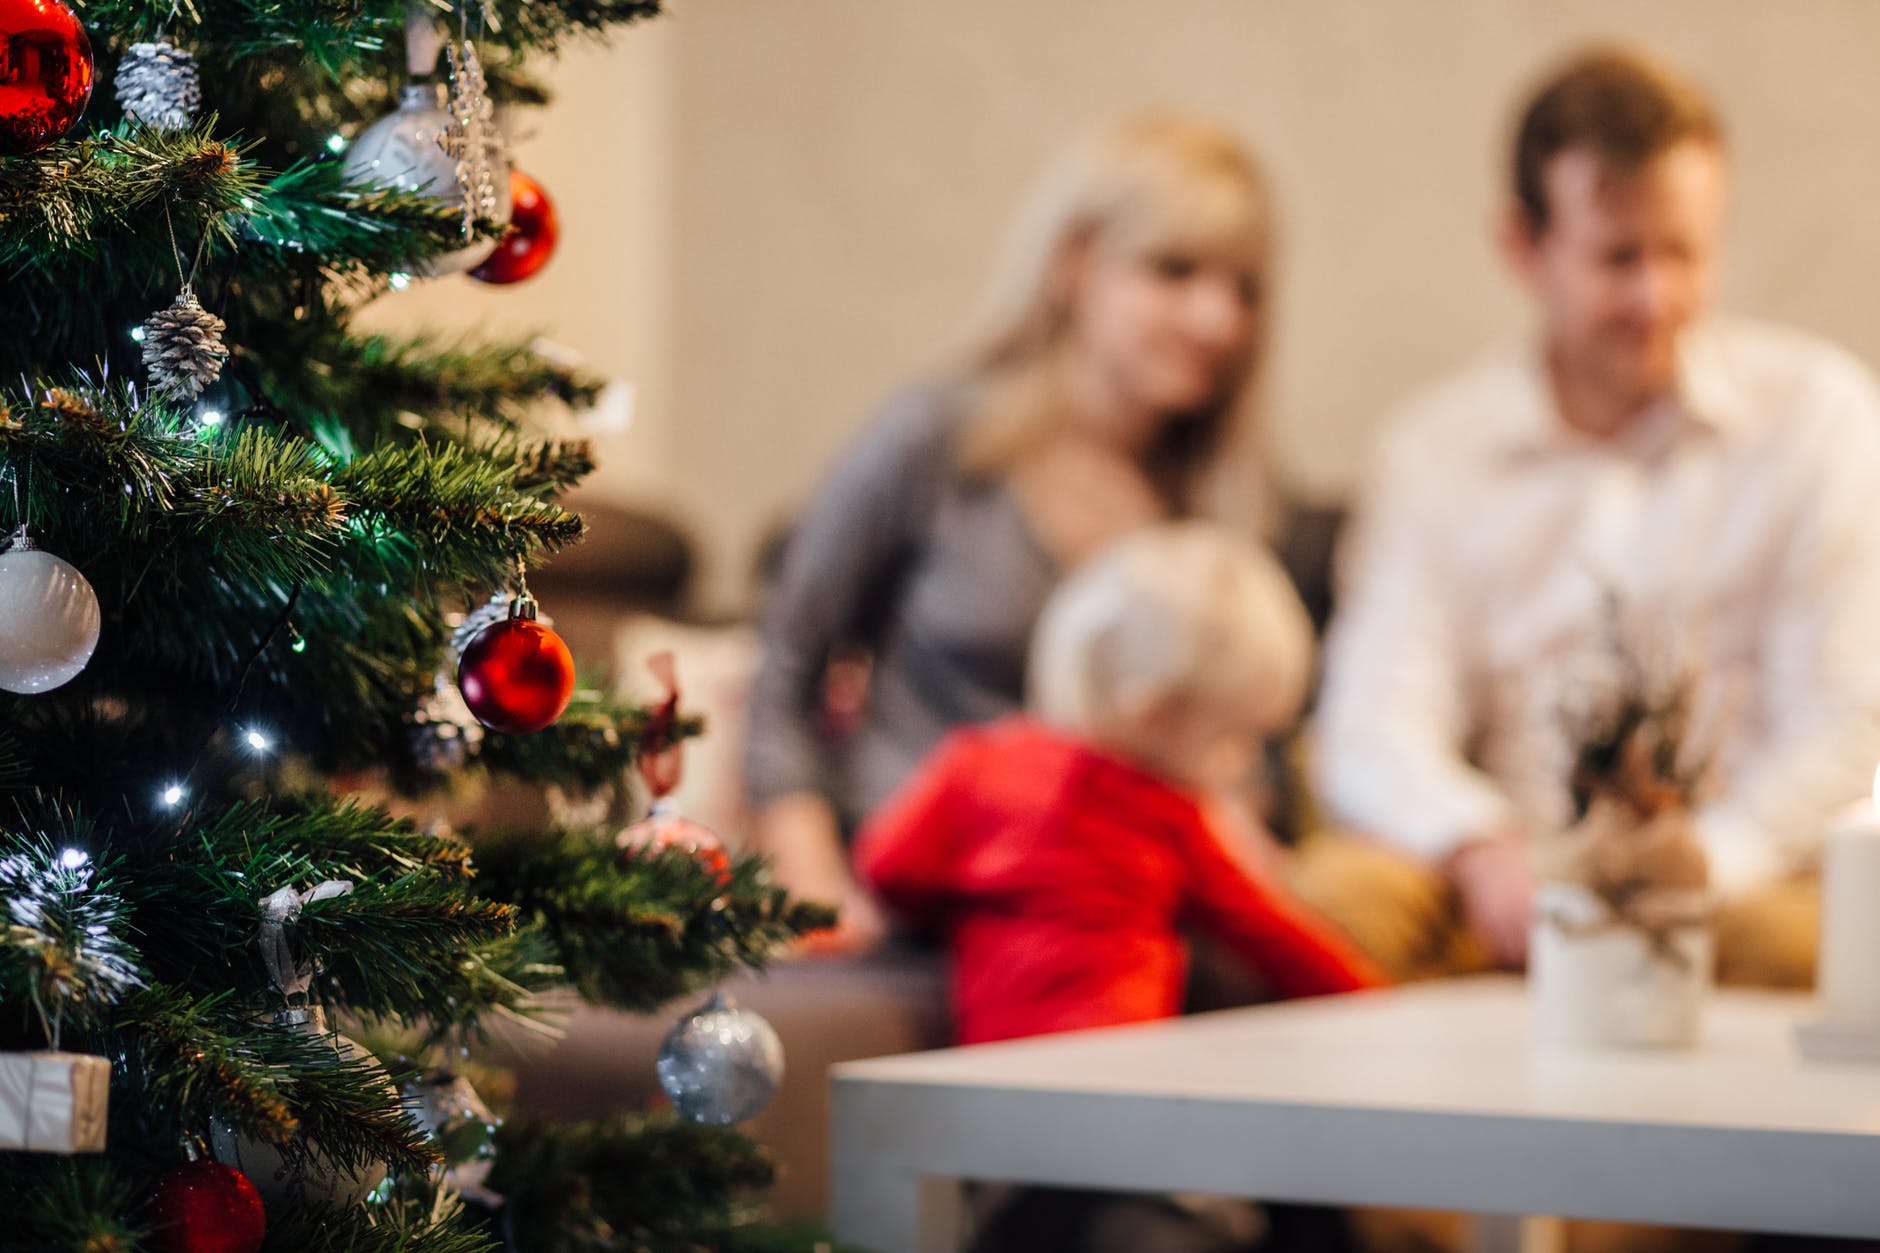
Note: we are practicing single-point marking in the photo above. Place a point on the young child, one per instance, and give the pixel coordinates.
(1061, 853)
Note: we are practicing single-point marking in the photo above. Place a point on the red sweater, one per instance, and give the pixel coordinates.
(1062, 877)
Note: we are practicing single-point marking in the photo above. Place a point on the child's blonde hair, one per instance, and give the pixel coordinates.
(1181, 615)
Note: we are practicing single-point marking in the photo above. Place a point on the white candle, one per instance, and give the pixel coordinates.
(1849, 981)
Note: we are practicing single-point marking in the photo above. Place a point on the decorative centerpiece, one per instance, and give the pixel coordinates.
(1622, 945)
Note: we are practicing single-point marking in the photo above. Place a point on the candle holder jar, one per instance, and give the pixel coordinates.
(1603, 977)
(1622, 945)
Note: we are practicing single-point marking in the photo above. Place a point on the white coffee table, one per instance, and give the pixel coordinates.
(1432, 1097)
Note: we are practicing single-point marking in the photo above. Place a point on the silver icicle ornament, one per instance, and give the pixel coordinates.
(473, 141)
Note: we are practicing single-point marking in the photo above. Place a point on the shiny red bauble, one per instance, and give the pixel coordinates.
(45, 73)
(530, 240)
(204, 1207)
(516, 675)
(665, 827)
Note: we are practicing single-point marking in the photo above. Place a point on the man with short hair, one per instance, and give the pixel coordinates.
(1717, 479)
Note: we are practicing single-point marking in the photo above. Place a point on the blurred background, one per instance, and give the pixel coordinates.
(775, 212)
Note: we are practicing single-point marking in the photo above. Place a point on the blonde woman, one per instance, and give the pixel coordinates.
(1110, 386)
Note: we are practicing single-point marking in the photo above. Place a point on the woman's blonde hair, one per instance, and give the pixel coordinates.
(1179, 613)
(1147, 185)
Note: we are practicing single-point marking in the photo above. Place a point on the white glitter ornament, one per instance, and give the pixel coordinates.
(721, 1064)
(405, 150)
(49, 618)
(298, 1176)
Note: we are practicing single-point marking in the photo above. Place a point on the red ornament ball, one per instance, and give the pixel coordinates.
(205, 1207)
(666, 828)
(517, 676)
(530, 240)
(45, 73)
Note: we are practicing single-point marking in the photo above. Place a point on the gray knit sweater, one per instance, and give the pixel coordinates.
(937, 575)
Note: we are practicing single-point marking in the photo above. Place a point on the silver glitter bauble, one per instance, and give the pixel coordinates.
(404, 149)
(157, 84)
(299, 1179)
(721, 1064)
(183, 347)
(49, 618)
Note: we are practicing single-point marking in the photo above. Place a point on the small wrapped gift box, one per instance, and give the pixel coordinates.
(53, 1102)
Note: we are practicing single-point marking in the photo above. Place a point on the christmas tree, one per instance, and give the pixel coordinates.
(255, 551)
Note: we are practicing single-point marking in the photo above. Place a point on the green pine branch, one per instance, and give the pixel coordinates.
(401, 942)
(309, 215)
(397, 948)
(344, 837)
(349, 1110)
(80, 195)
(190, 1059)
(594, 743)
(628, 1185)
(352, 391)
(150, 206)
(546, 27)
(13, 770)
(68, 1204)
(276, 508)
(446, 513)
(343, 38)
(634, 929)
(398, 1227)
(185, 1063)
(137, 472)
(502, 981)
(63, 944)
(553, 465)
(432, 374)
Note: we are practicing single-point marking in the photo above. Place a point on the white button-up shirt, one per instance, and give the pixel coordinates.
(1735, 528)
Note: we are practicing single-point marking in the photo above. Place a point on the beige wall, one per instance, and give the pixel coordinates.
(603, 152)
(792, 200)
